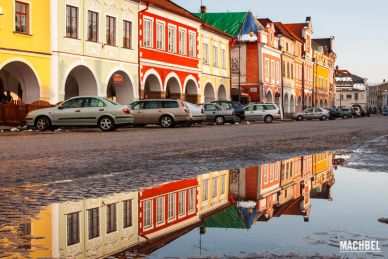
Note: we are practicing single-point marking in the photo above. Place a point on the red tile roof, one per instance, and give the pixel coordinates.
(296, 29)
(264, 21)
(172, 7)
(281, 29)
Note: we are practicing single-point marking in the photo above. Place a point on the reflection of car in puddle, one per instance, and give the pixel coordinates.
(144, 220)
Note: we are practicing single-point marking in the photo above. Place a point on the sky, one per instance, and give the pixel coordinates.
(360, 27)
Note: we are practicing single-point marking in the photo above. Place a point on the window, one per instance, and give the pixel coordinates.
(171, 39)
(288, 70)
(170, 104)
(356, 96)
(153, 105)
(348, 96)
(22, 17)
(191, 199)
(206, 54)
(73, 228)
(127, 213)
(222, 184)
(147, 212)
(147, 38)
(182, 203)
(214, 187)
(93, 223)
(205, 191)
(159, 210)
(266, 69)
(111, 218)
(71, 22)
(272, 69)
(215, 56)
(265, 174)
(182, 42)
(271, 175)
(92, 26)
(277, 70)
(127, 34)
(223, 58)
(171, 206)
(110, 30)
(73, 103)
(292, 71)
(284, 69)
(92, 102)
(160, 36)
(192, 45)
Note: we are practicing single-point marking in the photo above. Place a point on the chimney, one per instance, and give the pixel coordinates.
(203, 9)
(308, 19)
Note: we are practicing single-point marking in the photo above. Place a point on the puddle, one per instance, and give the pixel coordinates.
(297, 207)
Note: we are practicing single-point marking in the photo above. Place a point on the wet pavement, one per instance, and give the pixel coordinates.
(296, 206)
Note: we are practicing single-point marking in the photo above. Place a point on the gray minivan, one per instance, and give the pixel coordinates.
(165, 112)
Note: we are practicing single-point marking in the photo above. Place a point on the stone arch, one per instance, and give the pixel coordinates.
(120, 87)
(286, 103)
(310, 101)
(268, 97)
(277, 99)
(300, 108)
(292, 104)
(209, 93)
(20, 79)
(152, 85)
(173, 87)
(321, 103)
(326, 104)
(80, 81)
(221, 94)
(191, 91)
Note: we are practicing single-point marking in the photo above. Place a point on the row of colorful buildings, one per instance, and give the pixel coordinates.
(146, 219)
(133, 49)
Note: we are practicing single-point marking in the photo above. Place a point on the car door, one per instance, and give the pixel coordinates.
(249, 113)
(138, 113)
(69, 113)
(210, 111)
(309, 113)
(92, 109)
(318, 113)
(152, 112)
(259, 112)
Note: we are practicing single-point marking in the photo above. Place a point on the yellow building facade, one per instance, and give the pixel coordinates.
(321, 96)
(214, 65)
(25, 49)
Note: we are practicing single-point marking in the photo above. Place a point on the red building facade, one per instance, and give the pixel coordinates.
(169, 64)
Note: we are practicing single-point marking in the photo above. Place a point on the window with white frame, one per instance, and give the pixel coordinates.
(171, 39)
(277, 70)
(223, 58)
(171, 206)
(147, 31)
(214, 187)
(191, 199)
(71, 21)
(147, 212)
(182, 42)
(159, 210)
(266, 68)
(205, 190)
(271, 174)
(272, 69)
(160, 36)
(215, 56)
(205, 54)
(192, 45)
(182, 203)
(223, 182)
(265, 174)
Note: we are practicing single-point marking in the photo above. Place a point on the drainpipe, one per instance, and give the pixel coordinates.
(303, 77)
(281, 73)
(138, 48)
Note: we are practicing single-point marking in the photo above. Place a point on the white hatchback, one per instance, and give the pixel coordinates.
(266, 112)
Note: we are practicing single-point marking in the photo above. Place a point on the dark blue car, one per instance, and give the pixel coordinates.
(238, 108)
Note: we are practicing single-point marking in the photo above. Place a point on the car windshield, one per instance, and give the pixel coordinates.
(110, 101)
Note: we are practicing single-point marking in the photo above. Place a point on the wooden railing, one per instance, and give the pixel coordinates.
(14, 113)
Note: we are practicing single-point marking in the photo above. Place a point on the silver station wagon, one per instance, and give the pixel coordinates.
(82, 111)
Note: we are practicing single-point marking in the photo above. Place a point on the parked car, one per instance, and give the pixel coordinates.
(361, 112)
(357, 111)
(82, 111)
(345, 112)
(166, 113)
(238, 108)
(384, 111)
(197, 114)
(218, 114)
(262, 112)
(333, 114)
(311, 113)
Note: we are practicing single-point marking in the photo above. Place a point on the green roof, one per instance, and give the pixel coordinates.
(230, 23)
(227, 218)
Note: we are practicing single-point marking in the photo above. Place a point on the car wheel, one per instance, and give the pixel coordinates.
(237, 119)
(268, 119)
(166, 121)
(345, 116)
(42, 123)
(324, 117)
(219, 120)
(106, 124)
(299, 118)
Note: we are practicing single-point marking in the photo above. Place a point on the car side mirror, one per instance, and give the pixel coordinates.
(60, 107)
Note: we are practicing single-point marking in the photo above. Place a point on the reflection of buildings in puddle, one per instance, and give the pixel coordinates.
(144, 221)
